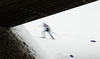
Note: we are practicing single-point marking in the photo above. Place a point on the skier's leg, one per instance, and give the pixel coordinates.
(43, 34)
(51, 35)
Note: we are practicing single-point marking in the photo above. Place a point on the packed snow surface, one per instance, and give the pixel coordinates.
(73, 31)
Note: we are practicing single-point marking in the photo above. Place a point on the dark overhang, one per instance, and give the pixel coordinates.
(16, 12)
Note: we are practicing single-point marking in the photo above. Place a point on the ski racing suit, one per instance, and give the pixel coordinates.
(47, 29)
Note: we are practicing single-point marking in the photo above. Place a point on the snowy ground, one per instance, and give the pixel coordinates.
(75, 28)
(24, 35)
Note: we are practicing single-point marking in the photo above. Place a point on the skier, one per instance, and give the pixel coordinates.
(47, 29)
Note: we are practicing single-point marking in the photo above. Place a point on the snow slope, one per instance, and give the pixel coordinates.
(76, 28)
(24, 35)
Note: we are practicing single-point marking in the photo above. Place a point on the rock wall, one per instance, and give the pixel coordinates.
(11, 47)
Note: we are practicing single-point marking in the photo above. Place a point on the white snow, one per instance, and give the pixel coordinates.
(75, 27)
(24, 35)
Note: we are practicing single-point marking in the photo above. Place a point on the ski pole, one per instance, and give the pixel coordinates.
(55, 34)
